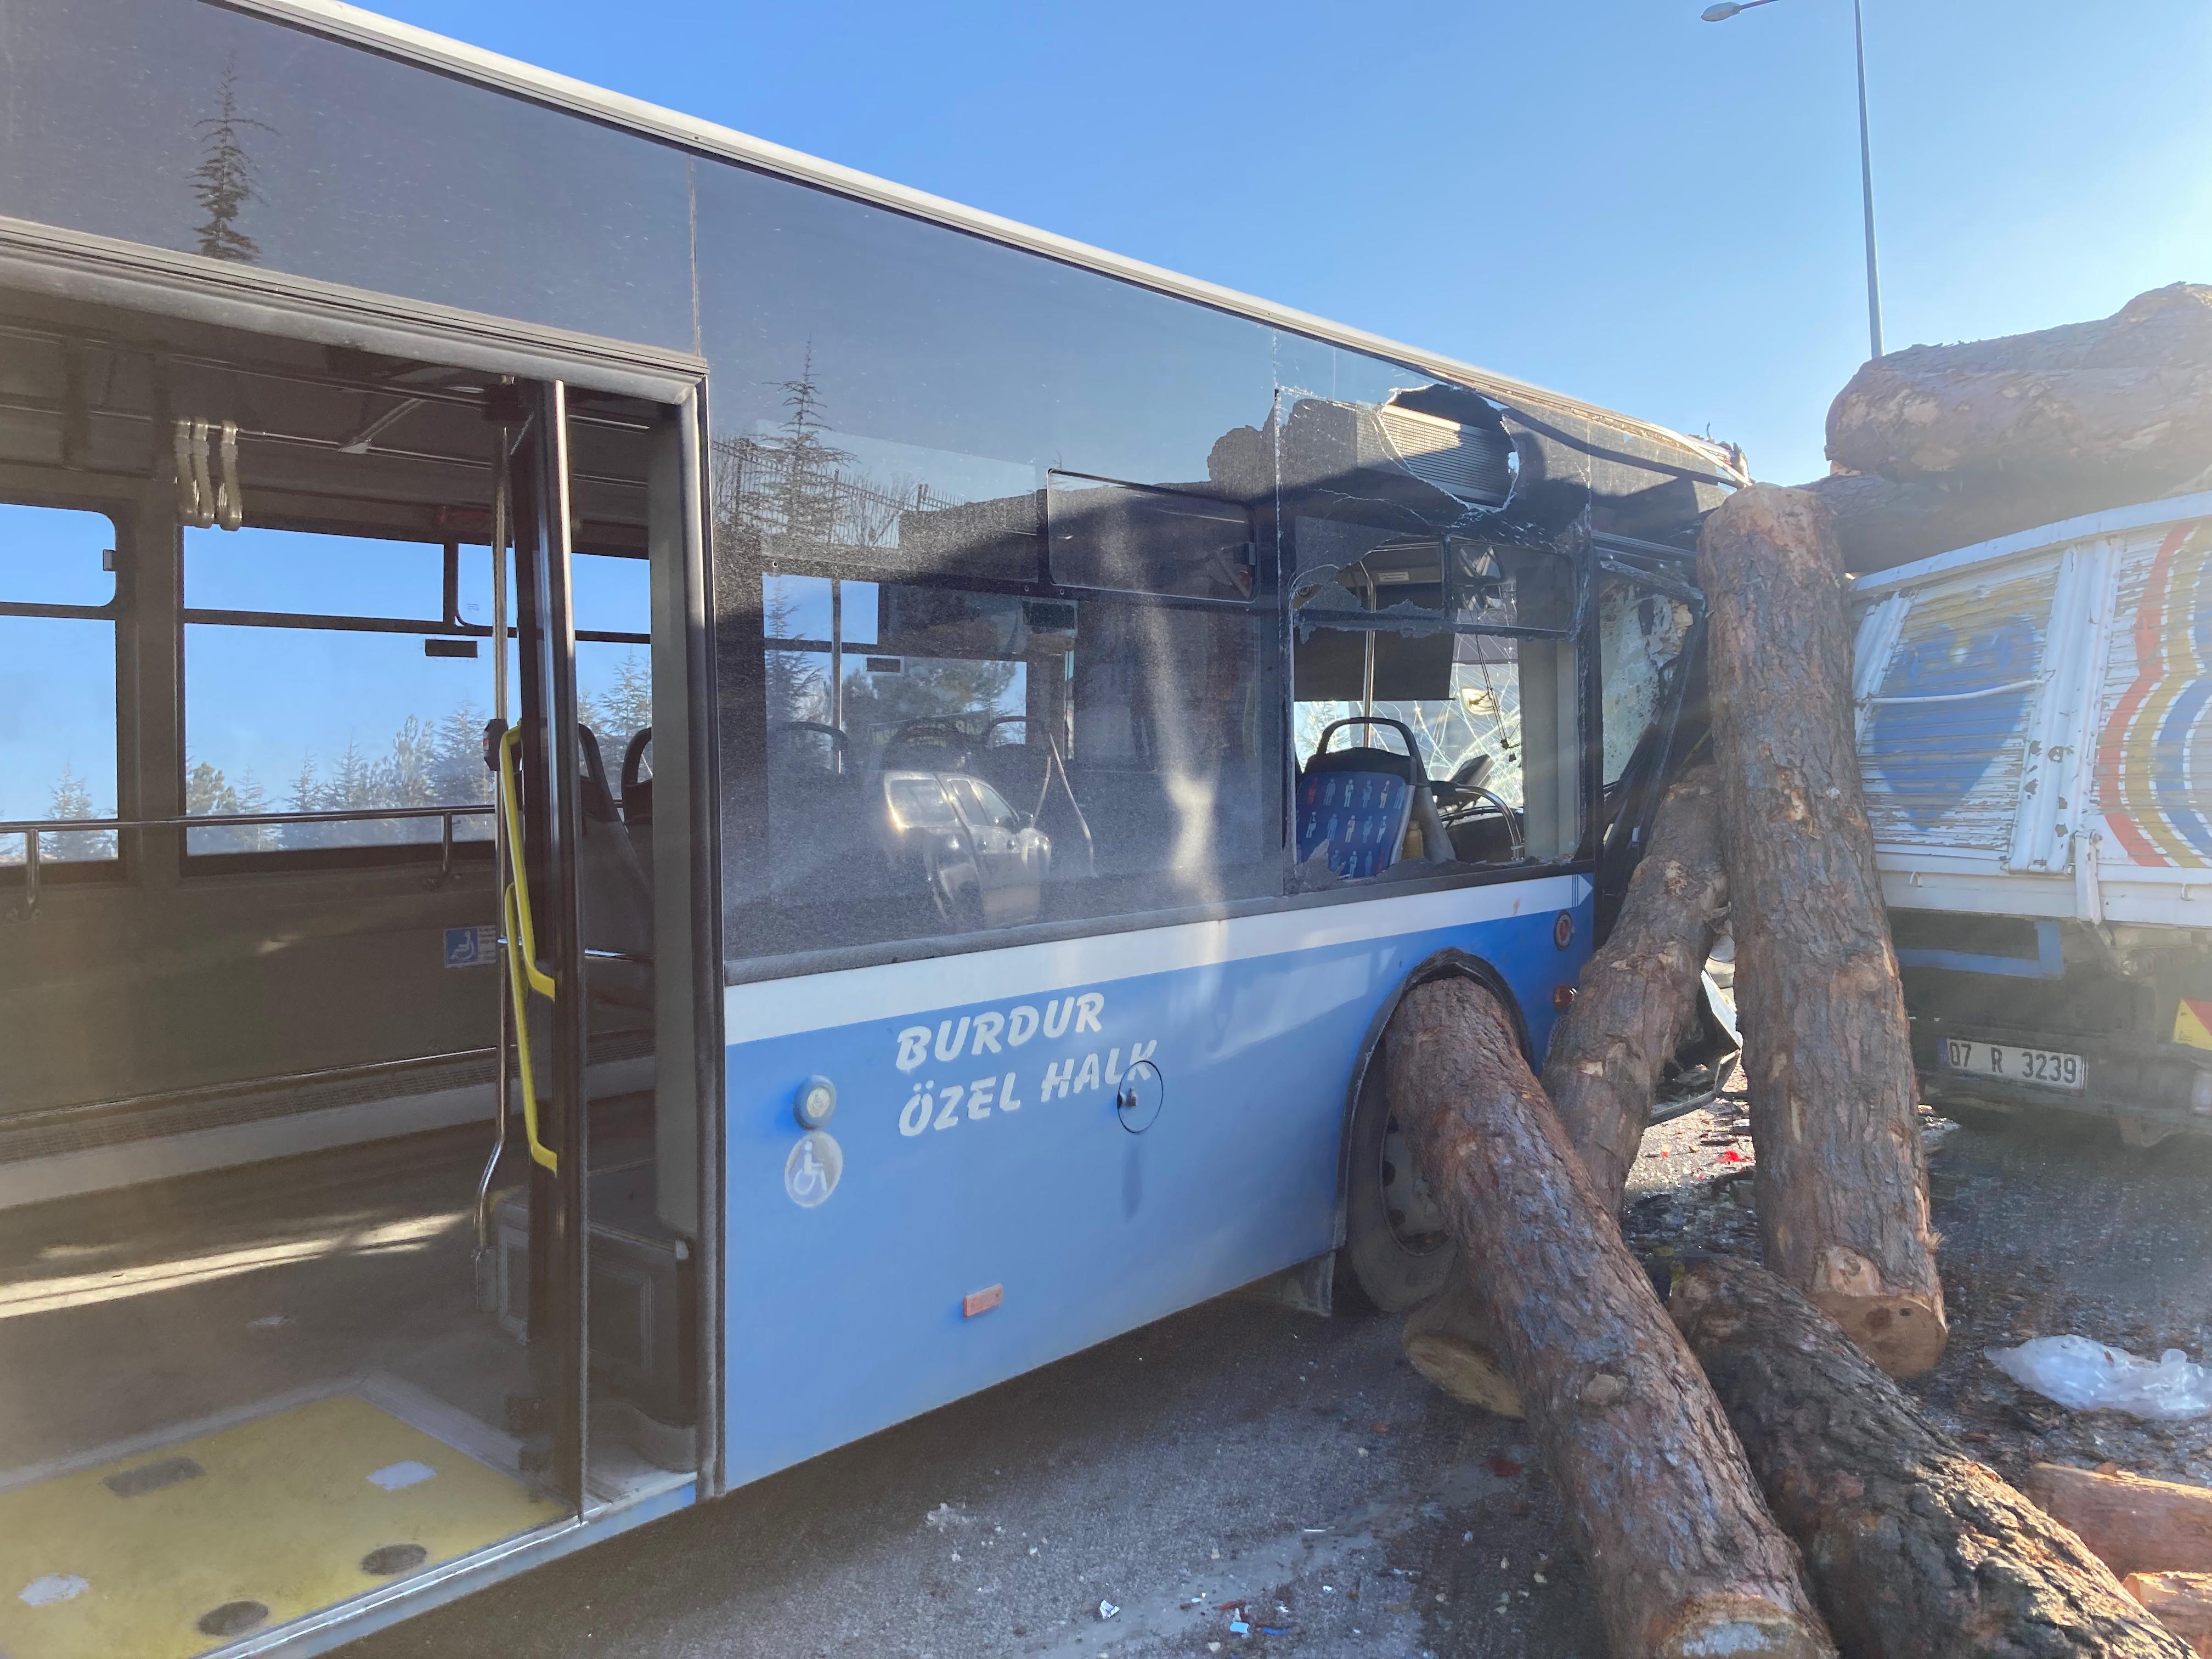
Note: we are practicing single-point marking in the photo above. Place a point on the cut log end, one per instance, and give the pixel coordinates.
(1469, 1374)
(2182, 1601)
(1447, 1342)
(1739, 1627)
(1902, 1334)
(1916, 1551)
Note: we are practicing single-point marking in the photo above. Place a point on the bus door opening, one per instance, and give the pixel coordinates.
(348, 1150)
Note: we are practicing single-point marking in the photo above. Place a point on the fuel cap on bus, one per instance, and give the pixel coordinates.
(1137, 1098)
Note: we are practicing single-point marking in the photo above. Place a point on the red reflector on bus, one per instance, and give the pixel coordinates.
(982, 1301)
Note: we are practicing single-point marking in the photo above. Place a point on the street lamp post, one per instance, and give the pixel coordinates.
(1728, 9)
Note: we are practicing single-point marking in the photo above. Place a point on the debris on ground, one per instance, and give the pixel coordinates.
(2090, 1376)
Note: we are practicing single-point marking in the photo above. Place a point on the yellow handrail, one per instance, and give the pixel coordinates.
(527, 933)
(540, 1153)
(523, 974)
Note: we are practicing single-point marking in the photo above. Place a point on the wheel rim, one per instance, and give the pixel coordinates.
(1412, 1213)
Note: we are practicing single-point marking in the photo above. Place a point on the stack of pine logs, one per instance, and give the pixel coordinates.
(1744, 1474)
(1942, 446)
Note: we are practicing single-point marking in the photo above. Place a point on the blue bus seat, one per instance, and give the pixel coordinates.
(1359, 815)
(1357, 802)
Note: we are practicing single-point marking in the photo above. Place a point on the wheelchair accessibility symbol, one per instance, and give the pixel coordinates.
(811, 1173)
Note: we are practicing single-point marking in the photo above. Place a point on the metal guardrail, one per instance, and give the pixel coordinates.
(31, 829)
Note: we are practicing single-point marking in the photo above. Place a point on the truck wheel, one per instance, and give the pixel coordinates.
(1395, 1248)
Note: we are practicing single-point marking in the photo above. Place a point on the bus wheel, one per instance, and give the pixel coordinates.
(1396, 1246)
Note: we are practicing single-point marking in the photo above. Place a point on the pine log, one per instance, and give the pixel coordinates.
(1882, 523)
(1450, 1341)
(1637, 996)
(2060, 403)
(1915, 1551)
(2134, 1524)
(1842, 1181)
(2182, 1601)
(1683, 1556)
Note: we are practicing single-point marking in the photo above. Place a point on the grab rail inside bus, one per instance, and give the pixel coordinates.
(523, 974)
(33, 830)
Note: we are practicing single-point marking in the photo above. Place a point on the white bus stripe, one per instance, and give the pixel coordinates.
(853, 996)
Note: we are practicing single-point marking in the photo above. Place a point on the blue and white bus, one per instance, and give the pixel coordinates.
(660, 804)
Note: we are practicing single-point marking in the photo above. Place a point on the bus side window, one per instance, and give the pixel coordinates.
(58, 738)
(307, 689)
(1641, 635)
(1109, 755)
(1497, 712)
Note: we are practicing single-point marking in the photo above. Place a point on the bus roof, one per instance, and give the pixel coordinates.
(510, 74)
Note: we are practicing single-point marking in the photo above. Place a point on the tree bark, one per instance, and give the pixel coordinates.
(2182, 1601)
(2134, 1524)
(1915, 1551)
(1637, 996)
(2062, 403)
(1685, 1559)
(1882, 523)
(1842, 1182)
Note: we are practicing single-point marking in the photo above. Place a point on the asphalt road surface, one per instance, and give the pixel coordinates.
(1238, 1453)
(1242, 1462)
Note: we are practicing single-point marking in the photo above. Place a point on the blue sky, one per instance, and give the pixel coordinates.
(1612, 199)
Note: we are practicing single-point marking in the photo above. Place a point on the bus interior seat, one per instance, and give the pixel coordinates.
(824, 814)
(616, 894)
(637, 800)
(1357, 802)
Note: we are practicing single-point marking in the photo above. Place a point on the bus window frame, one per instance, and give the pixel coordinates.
(1586, 752)
(1585, 755)
(370, 854)
(118, 613)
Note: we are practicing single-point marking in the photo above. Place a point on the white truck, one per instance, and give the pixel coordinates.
(2034, 722)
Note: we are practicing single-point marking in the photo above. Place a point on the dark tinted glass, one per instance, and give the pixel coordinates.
(1128, 540)
(994, 760)
(895, 393)
(191, 127)
(936, 462)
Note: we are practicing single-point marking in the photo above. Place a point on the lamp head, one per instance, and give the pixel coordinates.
(1721, 12)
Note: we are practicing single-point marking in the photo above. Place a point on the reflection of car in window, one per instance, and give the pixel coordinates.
(981, 862)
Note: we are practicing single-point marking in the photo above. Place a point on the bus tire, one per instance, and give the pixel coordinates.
(1396, 1254)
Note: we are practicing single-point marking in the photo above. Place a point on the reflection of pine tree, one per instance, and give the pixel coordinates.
(792, 491)
(223, 184)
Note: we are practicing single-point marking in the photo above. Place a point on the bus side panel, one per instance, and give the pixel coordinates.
(978, 1206)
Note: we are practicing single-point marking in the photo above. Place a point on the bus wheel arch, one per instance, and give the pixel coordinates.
(1392, 1252)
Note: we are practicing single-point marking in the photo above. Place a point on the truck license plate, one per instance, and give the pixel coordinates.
(2045, 1069)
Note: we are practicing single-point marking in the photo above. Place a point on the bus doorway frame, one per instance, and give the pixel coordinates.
(93, 270)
